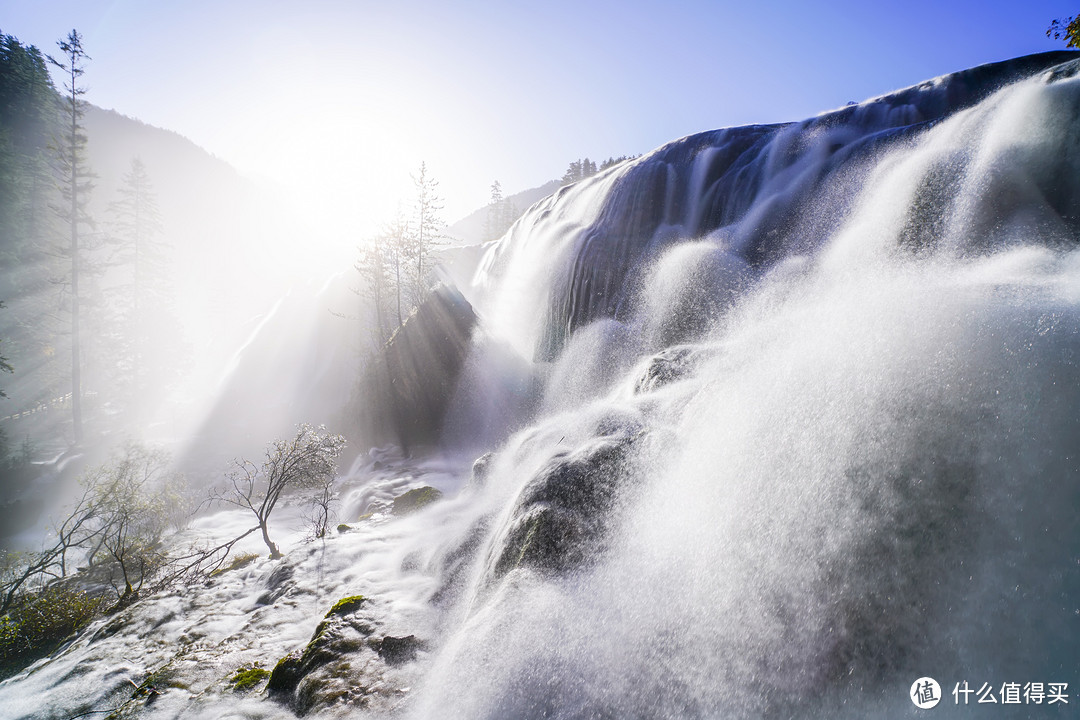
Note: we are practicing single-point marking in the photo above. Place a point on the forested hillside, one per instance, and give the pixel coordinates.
(176, 255)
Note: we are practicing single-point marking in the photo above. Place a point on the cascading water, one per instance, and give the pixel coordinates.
(795, 415)
(813, 426)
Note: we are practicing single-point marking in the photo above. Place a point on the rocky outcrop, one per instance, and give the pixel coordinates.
(562, 514)
(345, 663)
(409, 386)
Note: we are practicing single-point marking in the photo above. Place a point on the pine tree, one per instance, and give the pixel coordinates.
(27, 115)
(509, 214)
(613, 161)
(572, 174)
(501, 213)
(142, 299)
(76, 182)
(381, 266)
(493, 226)
(426, 231)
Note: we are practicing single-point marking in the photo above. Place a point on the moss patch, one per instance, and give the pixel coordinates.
(249, 677)
(346, 605)
(242, 560)
(415, 499)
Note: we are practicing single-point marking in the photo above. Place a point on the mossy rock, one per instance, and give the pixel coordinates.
(340, 635)
(343, 528)
(286, 674)
(346, 663)
(346, 605)
(249, 677)
(415, 499)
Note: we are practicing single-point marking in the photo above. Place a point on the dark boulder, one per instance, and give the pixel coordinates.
(398, 650)
(666, 367)
(408, 388)
(562, 514)
(345, 663)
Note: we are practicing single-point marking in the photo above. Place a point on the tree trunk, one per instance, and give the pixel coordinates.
(76, 362)
(275, 554)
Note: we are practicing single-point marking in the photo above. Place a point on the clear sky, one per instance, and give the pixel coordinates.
(342, 99)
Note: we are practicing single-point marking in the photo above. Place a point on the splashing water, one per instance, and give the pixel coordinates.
(790, 420)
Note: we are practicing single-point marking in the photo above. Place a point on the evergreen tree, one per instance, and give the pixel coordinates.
(573, 173)
(426, 232)
(509, 214)
(144, 325)
(493, 223)
(613, 161)
(581, 169)
(501, 213)
(26, 122)
(382, 267)
(76, 182)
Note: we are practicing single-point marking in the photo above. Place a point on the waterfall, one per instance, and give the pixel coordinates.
(771, 422)
(810, 426)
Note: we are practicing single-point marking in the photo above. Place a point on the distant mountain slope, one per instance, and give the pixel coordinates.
(217, 222)
(220, 234)
(470, 229)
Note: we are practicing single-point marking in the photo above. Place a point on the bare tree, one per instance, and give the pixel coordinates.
(321, 510)
(135, 495)
(307, 461)
(31, 571)
(115, 527)
(382, 267)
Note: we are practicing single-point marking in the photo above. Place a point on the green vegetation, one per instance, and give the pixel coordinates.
(125, 507)
(248, 677)
(39, 623)
(1067, 30)
(415, 499)
(346, 605)
(28, 121)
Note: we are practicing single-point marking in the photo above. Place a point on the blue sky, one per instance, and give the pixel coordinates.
(339, 100)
